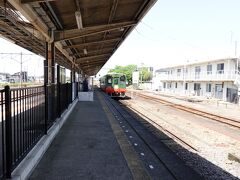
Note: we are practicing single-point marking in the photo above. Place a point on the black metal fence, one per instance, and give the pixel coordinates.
(51, 100)
(25, 116)
(25, 110)
(2, 135)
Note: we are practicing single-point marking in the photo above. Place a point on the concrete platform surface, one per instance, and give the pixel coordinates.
(85, 148)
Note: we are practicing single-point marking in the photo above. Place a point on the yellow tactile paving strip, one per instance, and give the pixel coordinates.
(134, 163)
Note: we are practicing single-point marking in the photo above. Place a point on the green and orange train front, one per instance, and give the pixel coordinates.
(114, 84)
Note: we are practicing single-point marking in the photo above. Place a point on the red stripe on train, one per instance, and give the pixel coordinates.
(112, 90)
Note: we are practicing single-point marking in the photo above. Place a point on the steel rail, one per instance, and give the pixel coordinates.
(218, 118)
(164, 129)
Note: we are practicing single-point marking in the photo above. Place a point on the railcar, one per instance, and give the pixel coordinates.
(114, 84)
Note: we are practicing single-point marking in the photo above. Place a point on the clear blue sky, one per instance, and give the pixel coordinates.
(176, 31)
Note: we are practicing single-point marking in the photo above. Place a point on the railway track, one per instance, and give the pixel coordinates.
(218, 118)
(167, 132)
(143, 138)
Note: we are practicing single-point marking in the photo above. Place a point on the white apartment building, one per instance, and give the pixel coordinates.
(218, 79)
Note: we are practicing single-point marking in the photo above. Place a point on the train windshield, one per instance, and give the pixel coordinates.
(115, 80)
(122, 78)
(109, 80)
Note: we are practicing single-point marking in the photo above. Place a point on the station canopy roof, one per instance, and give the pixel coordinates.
(85, 33)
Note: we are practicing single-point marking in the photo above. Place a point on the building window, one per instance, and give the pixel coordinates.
(186, 70)
(164, 85)
(197, 72)
(169, 85)
(175, 85)
(178, 72)
(237, 66)
(220, 68)
(209, 88)
(186, 86)
(209, 69)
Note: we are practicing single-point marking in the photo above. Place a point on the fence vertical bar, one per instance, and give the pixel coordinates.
(58, 92)
(8, 120)
(46, 109)
(71, 94)
(2, 103)
(45, 63)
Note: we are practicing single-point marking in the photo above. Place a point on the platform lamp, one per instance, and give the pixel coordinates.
(79, 19)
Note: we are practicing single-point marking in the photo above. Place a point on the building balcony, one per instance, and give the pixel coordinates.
(201, 76)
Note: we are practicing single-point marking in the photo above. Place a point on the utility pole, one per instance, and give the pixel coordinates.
(21, 62)
(184, 69)
(21, 69)
(236, 48)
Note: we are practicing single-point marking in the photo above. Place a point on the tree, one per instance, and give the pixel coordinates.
(146, 74)
(127, 70)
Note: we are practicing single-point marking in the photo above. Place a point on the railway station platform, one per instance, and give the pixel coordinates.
(92, 145)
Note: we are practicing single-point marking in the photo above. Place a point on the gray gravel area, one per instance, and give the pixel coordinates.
(213, 143)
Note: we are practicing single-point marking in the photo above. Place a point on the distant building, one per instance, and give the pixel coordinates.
(137, 78)
(218, 79)
(4, 77)
(15, 78)
(157, 83)
(39, 79)
(31, 79)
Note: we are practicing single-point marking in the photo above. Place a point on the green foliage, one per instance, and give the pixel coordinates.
(146, 75)
(127, 70)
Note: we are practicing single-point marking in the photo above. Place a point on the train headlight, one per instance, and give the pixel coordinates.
(115, 87)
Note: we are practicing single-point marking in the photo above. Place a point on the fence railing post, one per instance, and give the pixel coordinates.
(8, 120)
(71, 89)
(77, 84)
(46, 109)
(67, 99)
(58, 92)
(59, 99)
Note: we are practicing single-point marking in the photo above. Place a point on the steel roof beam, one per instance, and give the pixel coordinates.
(79, 60)
(93, 64)
(93, 61)
(92, 43)
(88, 31)
(34, 19)
(31, 1)
(112, 14)
(92, 51)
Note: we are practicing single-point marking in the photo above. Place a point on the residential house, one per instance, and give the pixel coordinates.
(214, 79)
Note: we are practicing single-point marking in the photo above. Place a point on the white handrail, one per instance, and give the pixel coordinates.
(204, 75)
